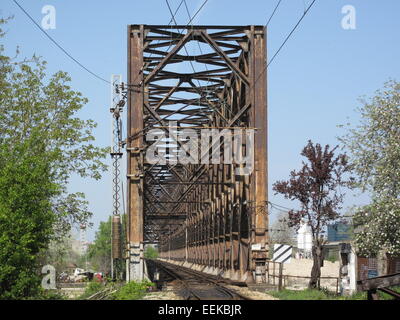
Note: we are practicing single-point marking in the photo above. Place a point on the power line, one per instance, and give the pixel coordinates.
(197, 12)
(291, 32)
(187, 10)
(279, 206)
(273, 13)
(176, 11)
(180, 32)
(170, 11)
(286, 39)
(59, 46)
(173, 18)
(190, 20)
(198, 44)
(158, 41)
(287, 210)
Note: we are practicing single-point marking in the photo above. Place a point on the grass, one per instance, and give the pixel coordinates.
(385, 296)
(306, 294)
(354, 296)
(314, 294)
(323, 294)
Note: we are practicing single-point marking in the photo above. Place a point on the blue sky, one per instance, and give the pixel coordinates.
(313, 84)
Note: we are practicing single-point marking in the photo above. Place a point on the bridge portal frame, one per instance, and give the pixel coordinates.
(203, 216)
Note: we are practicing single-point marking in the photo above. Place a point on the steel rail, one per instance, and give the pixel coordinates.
(197, 275)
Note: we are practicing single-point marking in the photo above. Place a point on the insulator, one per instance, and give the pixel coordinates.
(121, 103)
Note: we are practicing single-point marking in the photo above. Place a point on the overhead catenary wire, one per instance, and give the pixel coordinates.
(197, 12)
(291, 32)
(273, 13)
(70, 55)
(59, 46)
(198, 44)
(279, 206)
(172, 20)
(189, 22)
(287, 210)
(176, 11)
(285, 41)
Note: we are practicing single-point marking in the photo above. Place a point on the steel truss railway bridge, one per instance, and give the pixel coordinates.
(205, 214)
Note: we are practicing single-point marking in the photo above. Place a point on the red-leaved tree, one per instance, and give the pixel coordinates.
(317, 187)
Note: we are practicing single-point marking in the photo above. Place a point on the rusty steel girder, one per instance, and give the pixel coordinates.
(203, 215)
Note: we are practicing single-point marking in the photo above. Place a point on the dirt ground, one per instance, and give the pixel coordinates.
(302, 267)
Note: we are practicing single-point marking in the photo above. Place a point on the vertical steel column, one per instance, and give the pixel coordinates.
(134, 146)
(259, 188)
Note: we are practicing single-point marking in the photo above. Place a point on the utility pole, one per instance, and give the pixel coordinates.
(83, 243)
(117, 104)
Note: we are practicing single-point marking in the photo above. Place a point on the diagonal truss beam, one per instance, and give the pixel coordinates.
(217, 49)
(168, 57)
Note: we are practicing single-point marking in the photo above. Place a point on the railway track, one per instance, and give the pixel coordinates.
(194, 285)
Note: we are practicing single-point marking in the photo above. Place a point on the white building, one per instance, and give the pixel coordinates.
(304, 240)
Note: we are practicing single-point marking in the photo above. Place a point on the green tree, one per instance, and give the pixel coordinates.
(374, 149)
(150, 252)
(99, 253)
(42, 143)
(26, 217)
(29, 99)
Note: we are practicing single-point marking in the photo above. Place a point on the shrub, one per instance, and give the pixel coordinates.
(133, 290)
(47, 295)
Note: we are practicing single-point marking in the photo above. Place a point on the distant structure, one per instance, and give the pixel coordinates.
(304, 241)
(83, 240)
(339, 232)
